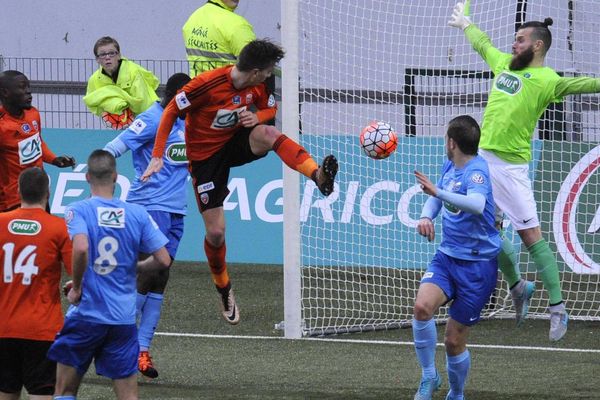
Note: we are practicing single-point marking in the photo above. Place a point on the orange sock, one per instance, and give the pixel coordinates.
(217, 264)
(295, 156)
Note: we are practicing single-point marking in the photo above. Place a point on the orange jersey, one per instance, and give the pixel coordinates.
(33, 245)
(212, 105)
(21, 147)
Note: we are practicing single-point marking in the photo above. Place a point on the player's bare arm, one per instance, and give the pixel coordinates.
(80, 260)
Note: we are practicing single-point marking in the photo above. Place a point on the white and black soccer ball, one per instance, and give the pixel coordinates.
(378, 140)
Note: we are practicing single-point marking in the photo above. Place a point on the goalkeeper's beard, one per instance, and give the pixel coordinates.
(522, 60)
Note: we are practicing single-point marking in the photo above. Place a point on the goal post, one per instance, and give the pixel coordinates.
(358, 260)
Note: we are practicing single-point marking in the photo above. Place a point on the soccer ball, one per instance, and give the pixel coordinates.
(118, 121)
(378, 140)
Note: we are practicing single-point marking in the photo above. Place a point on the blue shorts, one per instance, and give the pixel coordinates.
(114, 348)
(469, 284)
(171, 225)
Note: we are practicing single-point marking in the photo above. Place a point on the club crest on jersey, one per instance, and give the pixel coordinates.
(35, 125)
(182, 101)
(111, 217)
(24, 227)
(477, 178)
(455, 186)
(237, 100)
(249, 98)
(26, 128)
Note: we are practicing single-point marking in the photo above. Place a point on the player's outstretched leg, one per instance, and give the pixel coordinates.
(521, 294)
(229, 308)
(325, 175)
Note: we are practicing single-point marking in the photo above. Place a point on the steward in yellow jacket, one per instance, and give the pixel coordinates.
(214, 36)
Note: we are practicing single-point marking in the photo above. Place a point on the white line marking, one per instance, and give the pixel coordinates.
(386, 342)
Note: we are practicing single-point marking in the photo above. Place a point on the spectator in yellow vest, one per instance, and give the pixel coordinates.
(120, 89)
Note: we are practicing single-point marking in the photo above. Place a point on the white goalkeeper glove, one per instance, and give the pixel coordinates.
(458, 18)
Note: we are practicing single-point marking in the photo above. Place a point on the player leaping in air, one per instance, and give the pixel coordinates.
(220, 133)
(522, 89)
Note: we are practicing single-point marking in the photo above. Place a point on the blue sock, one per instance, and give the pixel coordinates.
(425, 336)
(139, 304)
(149, 319)
(458, 370)
(65, 397)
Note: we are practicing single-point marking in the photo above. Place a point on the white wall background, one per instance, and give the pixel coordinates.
(145, 29)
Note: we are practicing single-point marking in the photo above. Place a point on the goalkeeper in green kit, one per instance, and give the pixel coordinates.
(522, 89)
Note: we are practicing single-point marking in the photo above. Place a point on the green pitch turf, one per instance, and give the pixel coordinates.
(257, 364)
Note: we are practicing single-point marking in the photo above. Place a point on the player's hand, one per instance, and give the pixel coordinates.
(427, 186)
(248, 119)
(458, 19)
(64, 161)
(154, 166)
(74, 295)
(67, 287)
(426, 228)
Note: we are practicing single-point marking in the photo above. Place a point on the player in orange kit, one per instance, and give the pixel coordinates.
(220, 133)
(21, 144)
(35, 244)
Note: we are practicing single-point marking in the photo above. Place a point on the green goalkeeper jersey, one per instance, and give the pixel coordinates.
(517, 100)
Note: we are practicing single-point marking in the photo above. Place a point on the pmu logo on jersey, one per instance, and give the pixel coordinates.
(508, 83)
(569, 215)
(111, 217)
(24, 227)
(30, 149)
(176, 153)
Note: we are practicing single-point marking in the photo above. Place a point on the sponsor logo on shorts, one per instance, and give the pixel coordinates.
(24, 227)
(182, 101)
(527, 220)
(111, 217)
(427, 275)
(473, 319)
(205, 187)
(137, 126)
(477, 178)
(204, 198)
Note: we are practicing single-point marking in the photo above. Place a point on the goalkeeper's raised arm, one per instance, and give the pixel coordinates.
(480, 41)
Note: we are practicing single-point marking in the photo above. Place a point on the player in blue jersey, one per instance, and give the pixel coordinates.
(464, 269)
(108, 234)
(165, 199)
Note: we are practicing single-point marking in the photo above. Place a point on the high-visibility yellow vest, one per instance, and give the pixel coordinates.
(214, 36)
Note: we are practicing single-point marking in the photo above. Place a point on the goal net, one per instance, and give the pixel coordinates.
(360, 259)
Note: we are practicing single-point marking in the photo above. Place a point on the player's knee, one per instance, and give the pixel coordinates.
(215, 236)
(455, 344)
(423, 311)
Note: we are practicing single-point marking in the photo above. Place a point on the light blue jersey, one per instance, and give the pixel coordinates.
(117, 232)
(166, 191)
(468, 236)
